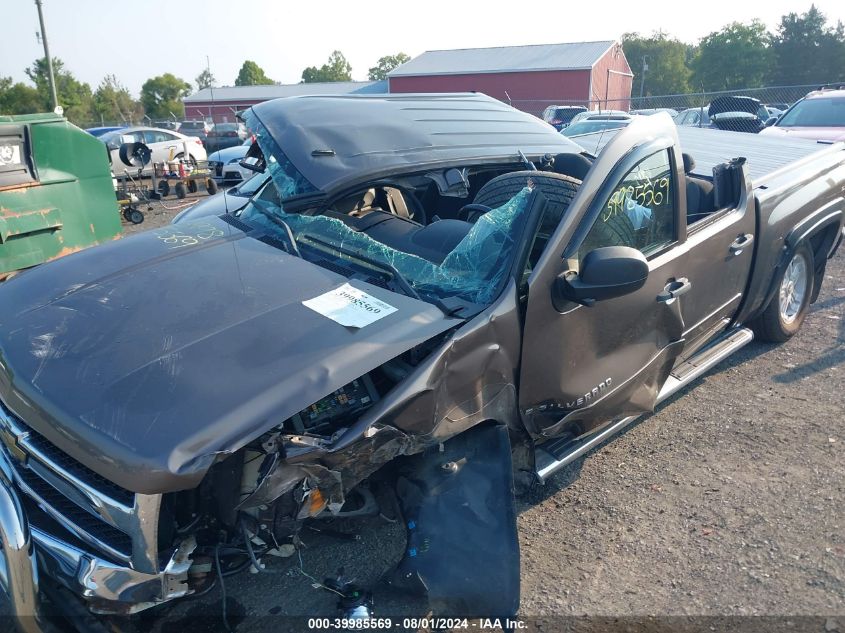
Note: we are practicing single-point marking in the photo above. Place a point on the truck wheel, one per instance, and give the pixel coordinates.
(556, 188)
(785, 313)
(164, 188)
(181, 190)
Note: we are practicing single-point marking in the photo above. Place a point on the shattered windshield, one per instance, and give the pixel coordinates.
(473, 270)
(288, 180)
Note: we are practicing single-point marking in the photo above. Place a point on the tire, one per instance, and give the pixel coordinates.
(164, 188)
(191, 160)
(192, 186)
(135, 216)
(181, 190)
(210, 186)
(785, 313)
(559, 190)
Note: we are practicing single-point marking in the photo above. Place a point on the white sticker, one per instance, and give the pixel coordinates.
(349, 306)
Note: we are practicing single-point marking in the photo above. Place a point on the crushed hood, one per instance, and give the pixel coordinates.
(722, 105)
(145, 358)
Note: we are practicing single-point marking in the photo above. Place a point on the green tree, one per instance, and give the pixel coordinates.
(251, 74)
(18, 98)
(807, 50)
(386, 64)
(74, 96)
(665, 57)
(738, 56)
(112, 102)
(336, 69)
(205, 80)
(163, 95)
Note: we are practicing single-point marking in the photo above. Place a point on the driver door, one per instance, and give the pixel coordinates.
(583, 365)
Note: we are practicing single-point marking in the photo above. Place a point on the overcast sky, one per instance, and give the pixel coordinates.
(141, 39)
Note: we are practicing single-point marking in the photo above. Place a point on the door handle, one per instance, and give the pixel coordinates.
(741, 243)
(674, 289)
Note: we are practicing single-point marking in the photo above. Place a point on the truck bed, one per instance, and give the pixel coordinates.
(710, 147)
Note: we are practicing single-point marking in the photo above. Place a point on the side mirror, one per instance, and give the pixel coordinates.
(606, 273)
(252, 163)
(771, 121)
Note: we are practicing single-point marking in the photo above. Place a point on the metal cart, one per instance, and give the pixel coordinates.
(186, 176)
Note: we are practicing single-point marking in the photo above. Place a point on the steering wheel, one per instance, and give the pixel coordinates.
(415, 207)
(471, 212)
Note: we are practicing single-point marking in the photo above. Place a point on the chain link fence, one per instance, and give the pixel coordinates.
(774, 97)
(167, 125)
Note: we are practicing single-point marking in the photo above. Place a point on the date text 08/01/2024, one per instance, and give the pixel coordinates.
(433, 624)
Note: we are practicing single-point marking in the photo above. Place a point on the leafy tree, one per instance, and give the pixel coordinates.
(808, 51)
(163, 94)
(205, 80)
(251, 74)
(386, 64)
(738, 56)
(74, 96)
(666, 59)
(112, 102)
(336, 69)
(18, 98)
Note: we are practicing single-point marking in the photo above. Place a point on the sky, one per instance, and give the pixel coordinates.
(141, 39)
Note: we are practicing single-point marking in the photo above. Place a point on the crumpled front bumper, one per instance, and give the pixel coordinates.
(29, 553)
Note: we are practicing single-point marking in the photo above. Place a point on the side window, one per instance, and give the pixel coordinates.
(154, 136)
(640, 212)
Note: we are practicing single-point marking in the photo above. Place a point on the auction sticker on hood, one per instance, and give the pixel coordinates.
(349, 306)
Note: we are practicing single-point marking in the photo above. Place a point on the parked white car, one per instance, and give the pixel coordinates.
(225, 163)
(165, 145)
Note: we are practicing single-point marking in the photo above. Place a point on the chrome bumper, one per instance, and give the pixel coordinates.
(106, 587)
(18, 567)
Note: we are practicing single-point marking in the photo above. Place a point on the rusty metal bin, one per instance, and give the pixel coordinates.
(56, 191)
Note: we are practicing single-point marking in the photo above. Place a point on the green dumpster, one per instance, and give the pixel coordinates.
(56, 191)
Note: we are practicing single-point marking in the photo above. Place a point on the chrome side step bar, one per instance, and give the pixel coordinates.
(555, 454)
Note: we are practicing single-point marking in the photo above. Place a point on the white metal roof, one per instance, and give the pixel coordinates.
(275, 91)
(502, 59)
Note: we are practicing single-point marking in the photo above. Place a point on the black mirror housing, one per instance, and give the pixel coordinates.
(606, 273)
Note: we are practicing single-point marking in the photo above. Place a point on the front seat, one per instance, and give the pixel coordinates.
(700, 198)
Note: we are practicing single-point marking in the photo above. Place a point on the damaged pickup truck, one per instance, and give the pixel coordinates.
(434, 291)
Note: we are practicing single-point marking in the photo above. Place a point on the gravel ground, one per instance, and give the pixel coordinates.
(728, 501)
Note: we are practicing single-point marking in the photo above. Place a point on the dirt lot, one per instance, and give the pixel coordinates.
(728, 501)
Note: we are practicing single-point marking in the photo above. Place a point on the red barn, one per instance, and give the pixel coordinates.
(530, 78)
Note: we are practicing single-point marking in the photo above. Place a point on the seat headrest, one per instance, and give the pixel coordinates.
(575, 165)
(689, 163)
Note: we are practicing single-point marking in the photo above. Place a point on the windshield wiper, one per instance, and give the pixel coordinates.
(294, 249)
(398, 277)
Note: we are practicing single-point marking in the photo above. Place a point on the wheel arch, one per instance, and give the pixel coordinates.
(821, 230)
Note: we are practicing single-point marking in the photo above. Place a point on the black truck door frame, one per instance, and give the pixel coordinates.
(583, 366)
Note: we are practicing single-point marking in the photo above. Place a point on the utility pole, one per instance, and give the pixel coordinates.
(50, 76)
(642, 78)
